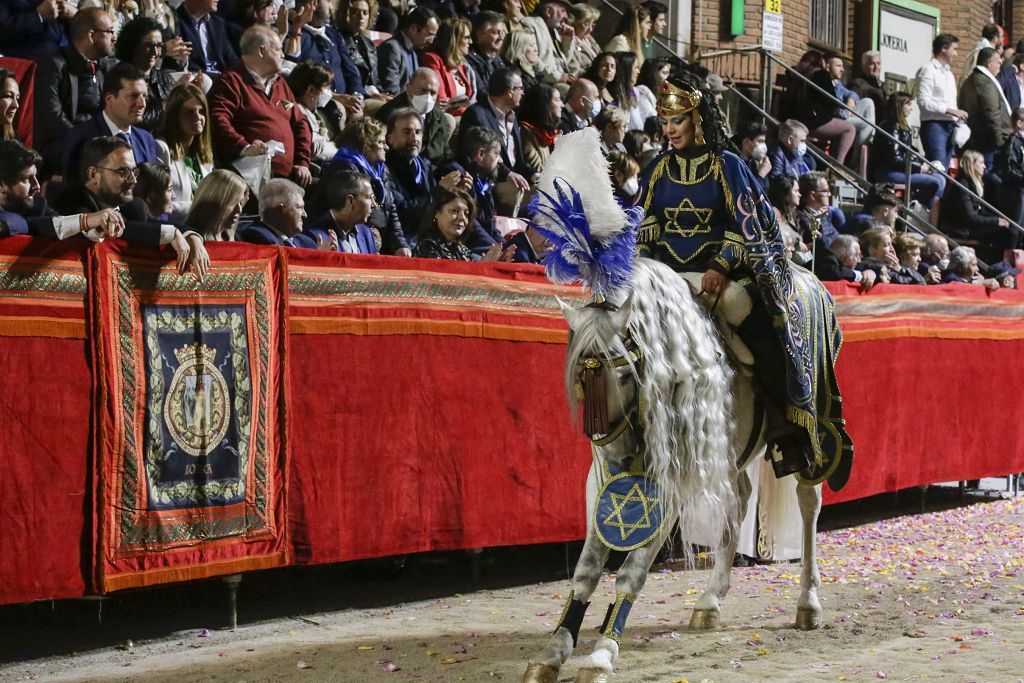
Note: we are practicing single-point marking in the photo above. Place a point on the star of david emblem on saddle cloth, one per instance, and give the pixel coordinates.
(629, 510)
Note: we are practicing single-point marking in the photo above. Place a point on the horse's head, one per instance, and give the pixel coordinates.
(603, 364)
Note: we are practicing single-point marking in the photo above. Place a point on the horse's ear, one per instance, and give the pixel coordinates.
(620, 317)
(571, 314)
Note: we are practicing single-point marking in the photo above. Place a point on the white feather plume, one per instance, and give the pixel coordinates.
(577, 160)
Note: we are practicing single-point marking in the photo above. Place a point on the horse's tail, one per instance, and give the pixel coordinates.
(686, 384)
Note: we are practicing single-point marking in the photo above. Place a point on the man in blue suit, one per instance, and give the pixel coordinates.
(397, 56)
(34, 30)
(1011, 80)
(282, 211)
(124, 103)
(207, 32)
(497, 112)
(318, 41)
(349, 197)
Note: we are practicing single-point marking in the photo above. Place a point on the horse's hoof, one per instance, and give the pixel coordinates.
(808, 619)
(590, 675)
(540, 673)
(704, 619)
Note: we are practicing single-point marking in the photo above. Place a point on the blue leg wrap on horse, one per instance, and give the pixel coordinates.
(572, 616)
(615, 620)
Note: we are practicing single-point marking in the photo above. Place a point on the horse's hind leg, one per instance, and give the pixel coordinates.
(707, 611)
(545, 665)
(808, 609)
(597, 666)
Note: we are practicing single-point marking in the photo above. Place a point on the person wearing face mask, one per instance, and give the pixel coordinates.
(752, 141)
(582, 104)
(934, 258)
(421, 96)
(788, 152)
(311, 83)
(694, 196)
(625, 181)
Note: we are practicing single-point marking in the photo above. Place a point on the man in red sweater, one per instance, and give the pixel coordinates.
(251, 105)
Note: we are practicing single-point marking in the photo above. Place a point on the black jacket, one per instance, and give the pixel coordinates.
(828, 268)
(962, 215)
(221, 52)
(67, 92)
(807, 104)
(481, 114)
(411, 187)
(76, 198)
(384, 217)
(484, 68)
(887, 156)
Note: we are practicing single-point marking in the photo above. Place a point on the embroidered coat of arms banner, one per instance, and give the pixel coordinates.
(189, 381)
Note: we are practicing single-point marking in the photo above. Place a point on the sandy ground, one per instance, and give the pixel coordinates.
(935, 597)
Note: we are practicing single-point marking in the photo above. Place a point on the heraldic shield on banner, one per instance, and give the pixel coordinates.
(191, 377)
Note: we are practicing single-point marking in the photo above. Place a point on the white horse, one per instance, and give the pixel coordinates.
(662, 404)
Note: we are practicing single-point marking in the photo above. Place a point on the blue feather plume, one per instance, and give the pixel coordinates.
(575, 256)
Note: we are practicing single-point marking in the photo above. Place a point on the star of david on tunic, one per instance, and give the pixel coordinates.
(674, 214)
(619, 502)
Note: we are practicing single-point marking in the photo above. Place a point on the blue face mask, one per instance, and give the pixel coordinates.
(801, 149)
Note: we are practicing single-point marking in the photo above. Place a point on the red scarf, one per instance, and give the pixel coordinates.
(546, 138)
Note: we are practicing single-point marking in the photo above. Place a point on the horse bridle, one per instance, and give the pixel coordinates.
(592, 390)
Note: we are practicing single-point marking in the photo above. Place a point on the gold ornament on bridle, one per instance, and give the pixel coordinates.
(676, 101)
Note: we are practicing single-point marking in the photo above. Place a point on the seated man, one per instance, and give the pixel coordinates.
(530, 245)
(24, 211)
(250, 105)
(816, 218)
(198, 24)
(582, 104)
(108, 182)
(752, 140)
(483, 169)
(282, 211)
(421, 95)
(934, 258)
(963, 268)
(349, 198)
(881, 207)
(840, 262)
(124, 104)
(789, 152)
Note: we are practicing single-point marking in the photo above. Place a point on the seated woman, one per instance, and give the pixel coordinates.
(312, 82)
(653, 73)
(362, 148)
(963, 216)
(217, 206)
(889, 160)
(632, 33)
(908, 250)
(784, 196)
(141, 44)
(521, 54)
(447, 57)
(817, 111)
(636, 100)
(625, 172)
(602, 74)
(881, 256)
(582, 18)
(539, 115)
(153, 187)
(611, 124)
(185, 147)
(445, 227)
(10, 102)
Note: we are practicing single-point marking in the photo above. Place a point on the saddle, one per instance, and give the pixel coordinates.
(732, 308)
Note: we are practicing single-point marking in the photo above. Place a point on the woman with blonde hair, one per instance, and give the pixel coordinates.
(582, 18)
(217, 206)
(447, 56)
(633, 33)
(521, 54)
(185, 145)
(963, 216)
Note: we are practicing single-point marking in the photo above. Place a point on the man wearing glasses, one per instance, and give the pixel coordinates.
(818, 220)
(108, 183)
(68, 85)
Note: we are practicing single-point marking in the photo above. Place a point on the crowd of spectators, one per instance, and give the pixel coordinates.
(349, 126)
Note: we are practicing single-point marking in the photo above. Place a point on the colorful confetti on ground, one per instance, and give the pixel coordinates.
(936, 597)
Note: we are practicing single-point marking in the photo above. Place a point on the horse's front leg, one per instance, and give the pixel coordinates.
(707, 612)
(597, 666)
(808, 609)
(546, 664)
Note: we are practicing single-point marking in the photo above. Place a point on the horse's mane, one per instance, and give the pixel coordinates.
(686, 387)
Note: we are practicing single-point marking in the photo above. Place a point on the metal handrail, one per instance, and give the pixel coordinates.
(656, 39)
(913, 152)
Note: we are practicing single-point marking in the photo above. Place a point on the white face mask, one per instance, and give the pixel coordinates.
(760, 151)
(423, 103)
(802, 258)
(801, 149)
(943, 264)
(631, 186)
(323, 98)
(595, 108)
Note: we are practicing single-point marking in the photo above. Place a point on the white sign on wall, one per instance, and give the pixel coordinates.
(904, 39)
(771, 31)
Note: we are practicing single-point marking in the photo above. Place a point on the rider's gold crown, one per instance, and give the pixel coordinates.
(674, 101)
